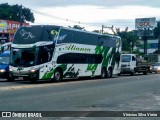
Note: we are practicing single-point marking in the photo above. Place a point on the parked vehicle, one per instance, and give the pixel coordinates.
(4, 65)
(5, 47)
(155, 67)
(130, 65)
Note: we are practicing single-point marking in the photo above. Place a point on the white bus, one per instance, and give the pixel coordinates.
(56, 52)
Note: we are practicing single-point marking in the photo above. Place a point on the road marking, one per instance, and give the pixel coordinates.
(63, 83)
(26, 86)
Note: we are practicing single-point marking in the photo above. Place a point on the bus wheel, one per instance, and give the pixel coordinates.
(119, 74)
(109, 73)
(103, 73)
(58, 75)
(145, 72)
(33, 80)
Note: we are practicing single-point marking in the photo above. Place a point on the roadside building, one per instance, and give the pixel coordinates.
(7, 30)
(152, 46)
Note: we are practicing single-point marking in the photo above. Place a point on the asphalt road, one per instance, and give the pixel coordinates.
(127, 93)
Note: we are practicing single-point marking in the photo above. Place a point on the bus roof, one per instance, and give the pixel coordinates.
(40, 33)
(90, 32)
(61, 27)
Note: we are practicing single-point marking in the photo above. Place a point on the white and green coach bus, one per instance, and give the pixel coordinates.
(56, 52)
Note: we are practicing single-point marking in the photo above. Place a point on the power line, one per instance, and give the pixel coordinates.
(83, 23)
(64, 19)
(48, 15)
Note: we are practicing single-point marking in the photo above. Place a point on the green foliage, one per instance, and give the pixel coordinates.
(97, 31)
(137, 52)
(77, 27)
(12, 12)
(129, 40)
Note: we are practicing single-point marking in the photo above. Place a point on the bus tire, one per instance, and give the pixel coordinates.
(33, 80)
(103, 73)
(109, 73)
(119, 74)
(145, 72)
(58, 75)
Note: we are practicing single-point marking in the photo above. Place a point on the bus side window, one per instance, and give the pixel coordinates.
(79, 58)
(100, 41)
(117, 42)
(42, 55)
(45, 53)
(65, 36)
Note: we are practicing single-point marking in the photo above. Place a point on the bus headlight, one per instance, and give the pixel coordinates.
(10, 70)
(2, 70)
(158, 68)
(33, 70)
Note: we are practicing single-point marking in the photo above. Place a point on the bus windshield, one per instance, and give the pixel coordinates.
(23, 57)
(33, 34)
(126, 58)
(27, 57)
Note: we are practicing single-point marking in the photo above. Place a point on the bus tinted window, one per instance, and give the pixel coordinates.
(45, 53)
(30, 35)
(79, 37)
(107, 41)
(70, 36)
(23, 57)
(79, 58)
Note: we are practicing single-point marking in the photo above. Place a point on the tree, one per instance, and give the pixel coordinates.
(12, 12)
(77, 27)
(129, 40)
(97, 31)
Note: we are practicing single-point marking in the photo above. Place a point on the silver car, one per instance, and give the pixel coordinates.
(156, 67)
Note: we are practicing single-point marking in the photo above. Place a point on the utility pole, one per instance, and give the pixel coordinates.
(145, 41)
(158, 29)
(131, 47)
(103, 26)
(158, 44)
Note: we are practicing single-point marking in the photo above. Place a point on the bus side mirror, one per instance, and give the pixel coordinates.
(2, 49)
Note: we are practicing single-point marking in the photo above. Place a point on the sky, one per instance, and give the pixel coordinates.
(91, 14)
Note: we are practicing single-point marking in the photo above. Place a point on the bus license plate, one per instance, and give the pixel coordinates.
(21, 78)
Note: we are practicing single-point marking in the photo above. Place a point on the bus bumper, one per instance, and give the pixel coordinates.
(25, 75)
